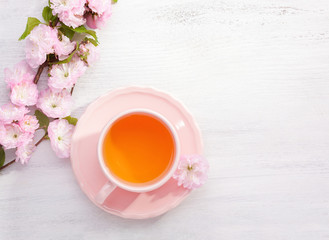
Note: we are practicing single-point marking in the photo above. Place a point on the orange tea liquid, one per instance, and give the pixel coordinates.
(138, 148)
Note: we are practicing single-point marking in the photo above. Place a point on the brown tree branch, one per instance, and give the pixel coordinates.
(7, 164)
(72, 89)
(40, 69)
(36, 144)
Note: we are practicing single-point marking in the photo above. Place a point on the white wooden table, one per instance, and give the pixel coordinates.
(254, 73)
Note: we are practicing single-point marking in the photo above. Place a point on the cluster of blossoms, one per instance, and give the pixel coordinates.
(43, 40)
(17, 130)
(49, 45)
(75, 13)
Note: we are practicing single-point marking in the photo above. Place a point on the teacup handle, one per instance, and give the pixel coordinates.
(105, 191)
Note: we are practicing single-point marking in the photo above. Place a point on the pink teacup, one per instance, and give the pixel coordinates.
(113, 180)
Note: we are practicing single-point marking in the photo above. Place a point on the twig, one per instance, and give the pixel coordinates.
(36, 144)
(41, 139)
(53, 24)
(72, 89)
(7, 164)
(40, 69)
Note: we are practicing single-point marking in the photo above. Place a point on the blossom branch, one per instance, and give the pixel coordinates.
(7, 164)
(41, 139)
(36, 144)
(50, 45)
(40, 69)
(72, 89)
(53, 23)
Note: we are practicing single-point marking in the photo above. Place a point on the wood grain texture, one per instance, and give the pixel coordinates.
(254, 73)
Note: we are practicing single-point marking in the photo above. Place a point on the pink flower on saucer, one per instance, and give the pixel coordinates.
(191, 171)
(60, 134)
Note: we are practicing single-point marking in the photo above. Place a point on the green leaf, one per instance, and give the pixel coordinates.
(114, 1)
(42, 118)
(2, 156)
(92, 41)
(48, 15)
(49, 3)
(31, 23)
(82, 29)
(67, 31)
(69, 57)
(71, 120)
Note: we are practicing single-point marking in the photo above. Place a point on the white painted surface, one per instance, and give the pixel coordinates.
(254, 73)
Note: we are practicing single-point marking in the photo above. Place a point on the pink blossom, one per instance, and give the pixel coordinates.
(64, 48)
(98, 20)
(72, 20)
(34, 54)
(10, 112)
(29, 123)
(60, 134)
(88, 53)
(40, 43)
(21, 72)
(13, 136)
(70, 12)
(24, 151)
(44, 40)
(24, 94)
(99, 6)
(191, 171)
(66, 75)
(55, 104)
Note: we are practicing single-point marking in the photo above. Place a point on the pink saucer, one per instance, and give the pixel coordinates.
(84, 150)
